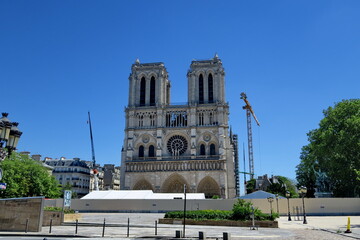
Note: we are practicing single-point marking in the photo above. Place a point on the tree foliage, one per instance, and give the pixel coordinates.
(250, 185)
(26, 177)
(284, 184)
(334, 149)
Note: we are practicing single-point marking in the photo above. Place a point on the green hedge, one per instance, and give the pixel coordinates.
(59, 209)
(241, 211)
(200, 214)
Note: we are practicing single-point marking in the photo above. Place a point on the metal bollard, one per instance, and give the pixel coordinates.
(103, 232)
(155, 228)
(128, 228)
(76, 226)
(26, 225)
(178, 233)
(202, 235)
(50, 225)
(226, 236)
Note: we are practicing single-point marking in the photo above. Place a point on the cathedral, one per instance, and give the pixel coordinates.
(168, 147)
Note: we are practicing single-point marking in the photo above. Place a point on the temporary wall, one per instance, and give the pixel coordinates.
(313, 206)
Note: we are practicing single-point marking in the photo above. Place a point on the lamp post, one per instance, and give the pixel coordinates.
(270, 200)
(302, 192)
(288, 196)
(277, 203)
(9, 137)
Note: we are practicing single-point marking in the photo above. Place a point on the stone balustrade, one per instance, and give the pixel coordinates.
(189, 165)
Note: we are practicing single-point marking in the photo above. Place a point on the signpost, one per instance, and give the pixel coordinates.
(67, 198)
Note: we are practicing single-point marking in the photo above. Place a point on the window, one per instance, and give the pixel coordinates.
(141, 151)
(152, 91)
(201, 118)
(142, 91)
(202, 149)
(151, 151)
(211, 88)
(201, 89)
(152, 120)
(212, 149)
(141, 121)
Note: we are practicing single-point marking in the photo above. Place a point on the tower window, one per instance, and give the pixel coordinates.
(152, 91)
(151, 151)
(212, 149)
(201, 89)
(202, 149)
(141, 151)
(142, 91)
(211, 88)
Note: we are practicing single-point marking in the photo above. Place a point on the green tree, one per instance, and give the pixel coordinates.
(250, 185)
(26, 177)
(284, 184)
(305, 171)
(334, 149)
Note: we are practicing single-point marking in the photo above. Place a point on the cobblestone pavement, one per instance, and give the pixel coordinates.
(143, 225)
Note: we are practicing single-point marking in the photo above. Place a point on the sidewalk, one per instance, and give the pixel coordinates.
(143, 225)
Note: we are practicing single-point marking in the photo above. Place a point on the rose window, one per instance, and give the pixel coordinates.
(177, 145)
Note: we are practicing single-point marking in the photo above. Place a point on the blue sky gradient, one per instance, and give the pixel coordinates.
(60, 59)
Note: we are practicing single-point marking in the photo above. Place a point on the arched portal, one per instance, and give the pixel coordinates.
(209, 187)
(174, 184)
(143, 185)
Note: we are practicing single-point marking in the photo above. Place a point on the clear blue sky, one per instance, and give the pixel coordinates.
(60, 59)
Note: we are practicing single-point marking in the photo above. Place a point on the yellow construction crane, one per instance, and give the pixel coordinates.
(249, 112)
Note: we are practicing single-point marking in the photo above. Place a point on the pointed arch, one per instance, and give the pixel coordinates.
(209, 187)
(174, 184)
(151, 151)
(202, 149)
(142, 91)
(212, 149)
(210, 88)
(201, 89)
(152, 91)
(143, 185)
(141, 151)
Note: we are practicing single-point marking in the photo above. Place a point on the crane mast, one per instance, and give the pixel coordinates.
(249, 112)
(94, 170)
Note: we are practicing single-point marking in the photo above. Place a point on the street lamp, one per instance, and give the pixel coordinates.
(9, 136)
(288, 196)
(302, 192)
(270, 200)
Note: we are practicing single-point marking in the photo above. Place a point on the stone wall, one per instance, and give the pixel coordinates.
(21, 214)
(56, 216)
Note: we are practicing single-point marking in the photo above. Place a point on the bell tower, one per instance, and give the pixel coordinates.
(149, 85)
(206, 82)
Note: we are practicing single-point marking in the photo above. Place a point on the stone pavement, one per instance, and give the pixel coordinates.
(143, 225)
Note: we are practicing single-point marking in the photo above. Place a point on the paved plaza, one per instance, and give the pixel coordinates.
(142, 225)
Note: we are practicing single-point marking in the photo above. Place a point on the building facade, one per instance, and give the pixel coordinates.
(111, 177)
(167, 147)
(74, 172)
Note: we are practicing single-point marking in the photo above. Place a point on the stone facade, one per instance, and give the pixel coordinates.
(168, 146)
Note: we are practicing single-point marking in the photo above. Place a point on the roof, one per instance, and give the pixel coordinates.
(139, 194)
(259, 195)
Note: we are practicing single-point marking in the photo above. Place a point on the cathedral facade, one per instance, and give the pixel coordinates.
(166, 146)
